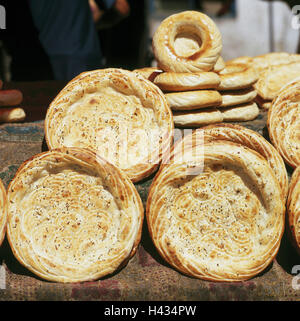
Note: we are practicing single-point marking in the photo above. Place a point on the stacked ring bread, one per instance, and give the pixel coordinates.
(274, 69)
(72, 216)
(284, 123)
(293, 208)
(215, 210)
(200, 88)
(2, 212)
(116, 113)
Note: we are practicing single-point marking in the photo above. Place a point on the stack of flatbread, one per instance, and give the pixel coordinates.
(275, 70)
(224, 94)
(199, 94)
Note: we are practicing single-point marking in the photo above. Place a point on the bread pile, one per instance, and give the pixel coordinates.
(73, 212)
(275, 70)
(200, 88)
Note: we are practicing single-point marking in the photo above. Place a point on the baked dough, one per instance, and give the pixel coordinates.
(241, 60)
(72, 216)
(188, 41)
(293, 209)
(262, 103)
(262, 62)
(218, 214)
(237, 76)
(148, 72)
(274, 78)
(237, 97)
(220, 65)
(251, 139)
(284, 123)
(3, 215)
(184, 81)
(116, 113)
(194, 99)
(244, 112)
(197, 118)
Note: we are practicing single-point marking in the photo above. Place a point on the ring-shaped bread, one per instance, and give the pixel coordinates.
(251, 139)
(293, 208)
(220, 65)
(215, 211)
(237, 76)
(284, 123)
(72, 216)
(239, 113)
(3, 215)
(193, 99)
(197, 118)
(237, 97)
(183, 81)
(116, 113)
(188, 41)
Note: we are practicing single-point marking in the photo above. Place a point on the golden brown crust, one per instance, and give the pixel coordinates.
(116, 113)
(184, 81)
(149, 73)
(237, 97)
(241, 60)
(72, 216)
(262, 62)
(220, 65)
(284, 122)
(273, 78)
(188, 41)
(251, 139)
(197, 118)
(218, 213)
(293, 208)
(3, 214)
(237, 76)
(194, 99)
(243, 112)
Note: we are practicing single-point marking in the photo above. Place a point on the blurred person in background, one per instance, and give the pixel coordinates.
(54, 39)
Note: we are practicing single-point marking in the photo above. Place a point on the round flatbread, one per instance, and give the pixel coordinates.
(293, 208)
(262, 62)
(251, 139)
(3, 215)
(284, 123)
(218, 213)
(72, 216)
(188, 41)
(116, 113)
(272, 79)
